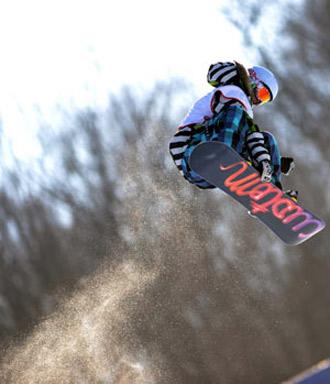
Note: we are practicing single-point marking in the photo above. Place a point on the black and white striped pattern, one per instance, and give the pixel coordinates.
(180, 141)
(222, 74)
(179, 144)
(256, 144)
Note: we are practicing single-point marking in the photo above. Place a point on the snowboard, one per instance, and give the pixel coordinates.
(224, 168)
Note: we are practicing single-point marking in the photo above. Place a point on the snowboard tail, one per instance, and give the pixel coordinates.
(224, 168)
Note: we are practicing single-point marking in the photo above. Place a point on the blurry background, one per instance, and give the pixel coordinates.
(113, 269)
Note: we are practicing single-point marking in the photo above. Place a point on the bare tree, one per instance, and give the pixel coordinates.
(209, 291)
(188, 289)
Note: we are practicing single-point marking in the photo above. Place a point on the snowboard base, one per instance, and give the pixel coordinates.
(224, 168)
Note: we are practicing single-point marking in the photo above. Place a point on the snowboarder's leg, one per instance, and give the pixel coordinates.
(198, 137)
(229, 126)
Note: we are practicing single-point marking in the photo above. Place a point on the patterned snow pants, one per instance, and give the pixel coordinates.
(230, 126)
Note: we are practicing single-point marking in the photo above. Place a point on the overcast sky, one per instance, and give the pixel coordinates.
(74, 53)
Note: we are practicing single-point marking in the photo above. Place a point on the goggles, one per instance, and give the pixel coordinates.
(262, 92)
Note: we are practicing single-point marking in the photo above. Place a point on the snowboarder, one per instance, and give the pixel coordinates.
(226, 114)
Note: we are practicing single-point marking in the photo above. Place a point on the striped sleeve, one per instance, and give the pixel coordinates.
(179, 144)
(223, 74)
(256, 144)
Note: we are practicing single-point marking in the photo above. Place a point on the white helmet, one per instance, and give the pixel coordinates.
(263, 76)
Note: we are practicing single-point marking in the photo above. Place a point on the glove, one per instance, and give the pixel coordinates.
(287, 165)
(293, 194)
(266, 172)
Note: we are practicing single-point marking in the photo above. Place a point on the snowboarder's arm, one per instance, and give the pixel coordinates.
(223, 73)
(255, 141)
(259, 153)
(178, 144)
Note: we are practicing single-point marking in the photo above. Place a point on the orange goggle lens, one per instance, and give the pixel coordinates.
(263, 94)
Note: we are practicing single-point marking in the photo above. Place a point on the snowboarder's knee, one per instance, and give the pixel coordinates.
(269, 138)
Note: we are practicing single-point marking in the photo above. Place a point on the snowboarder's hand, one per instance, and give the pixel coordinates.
(287, 165)
(266, 172)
